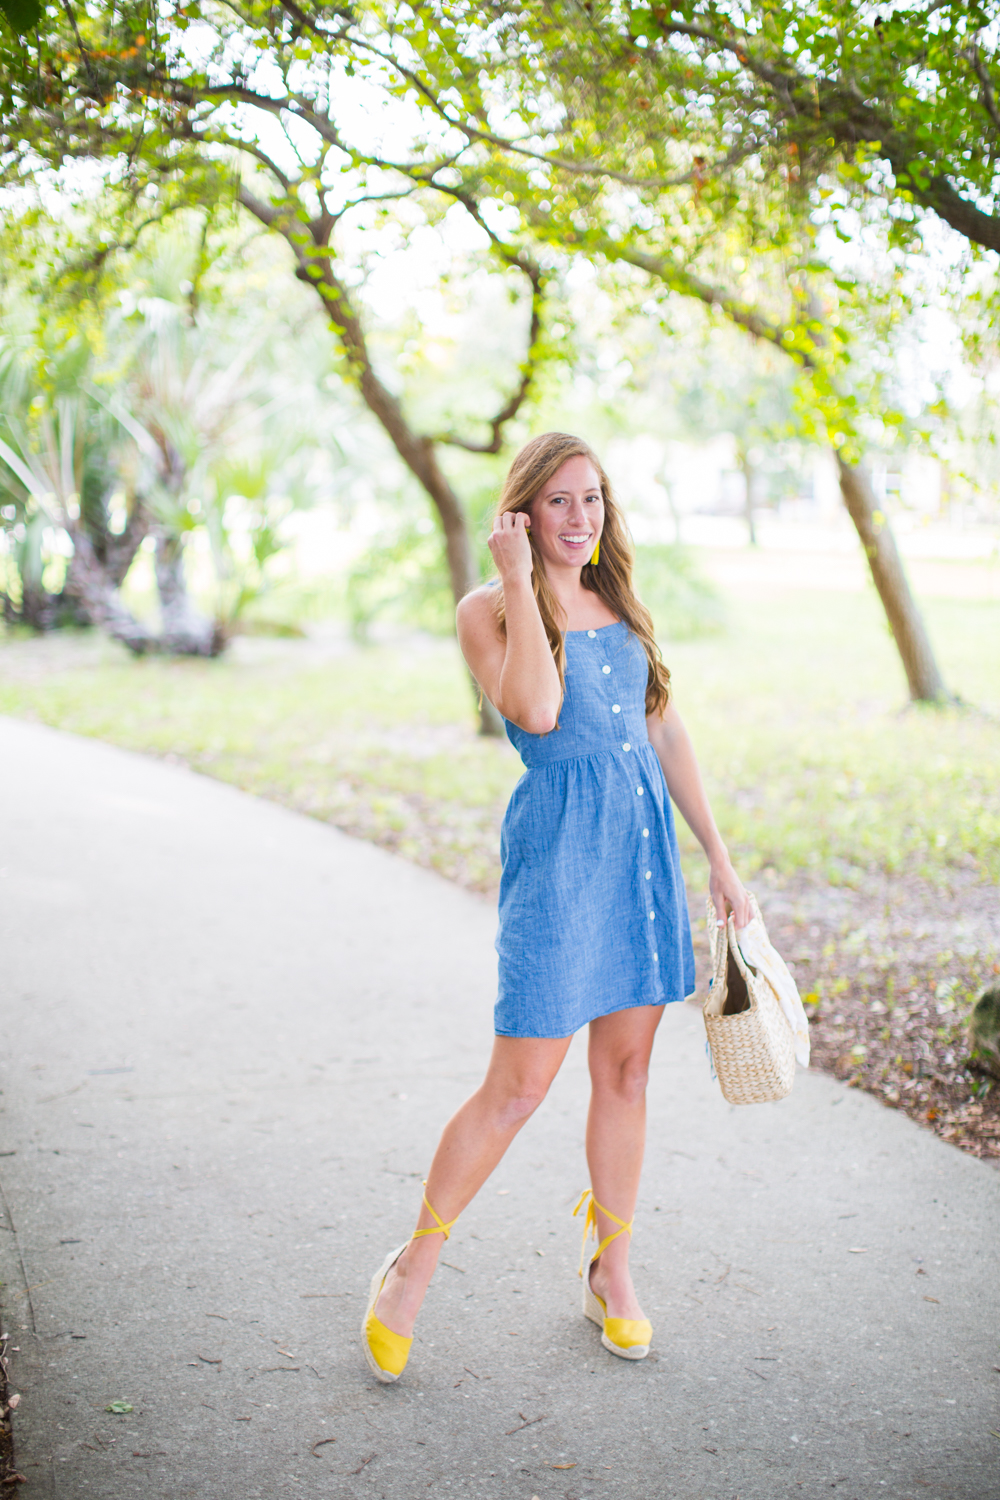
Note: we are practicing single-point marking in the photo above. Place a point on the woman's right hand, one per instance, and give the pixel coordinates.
(510, 547)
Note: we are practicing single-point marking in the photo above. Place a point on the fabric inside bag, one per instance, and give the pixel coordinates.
(737, 995)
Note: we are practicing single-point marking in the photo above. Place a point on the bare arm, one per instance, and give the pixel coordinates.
(518, 675)
(675, 752)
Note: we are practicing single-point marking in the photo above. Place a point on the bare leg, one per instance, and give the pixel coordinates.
(474, 1140)
(620, 1046)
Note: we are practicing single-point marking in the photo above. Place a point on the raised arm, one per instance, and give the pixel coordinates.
(518, 675)
(675, 751)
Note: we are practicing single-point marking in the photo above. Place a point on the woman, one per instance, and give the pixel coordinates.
(593, 916)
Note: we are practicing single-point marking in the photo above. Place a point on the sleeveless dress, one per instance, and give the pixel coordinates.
(593, 913)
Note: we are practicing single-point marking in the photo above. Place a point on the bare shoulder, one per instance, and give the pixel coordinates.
(476, 613)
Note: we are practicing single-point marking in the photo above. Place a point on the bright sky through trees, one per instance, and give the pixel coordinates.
(773, 163)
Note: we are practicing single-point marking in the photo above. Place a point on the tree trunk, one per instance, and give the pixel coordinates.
(185, 630)
(675, 514)
(417, 452)
(39, 609)
(88, 583)
(749, 478)
(121, 548)
(462, 568)
(922, 673)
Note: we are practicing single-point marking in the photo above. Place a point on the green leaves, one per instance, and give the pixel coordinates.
(21, 15)
(674, 140)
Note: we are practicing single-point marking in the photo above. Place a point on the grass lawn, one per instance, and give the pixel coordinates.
(871, 829)
(813, 761)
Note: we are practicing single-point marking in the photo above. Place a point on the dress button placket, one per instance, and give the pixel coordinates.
(645, 862)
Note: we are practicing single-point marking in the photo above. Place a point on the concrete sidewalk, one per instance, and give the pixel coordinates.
(230, 1038)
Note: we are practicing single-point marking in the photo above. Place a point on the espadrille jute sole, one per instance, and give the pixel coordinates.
(595, 1310)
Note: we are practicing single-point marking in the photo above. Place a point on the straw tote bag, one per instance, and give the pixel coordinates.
(752, 1040)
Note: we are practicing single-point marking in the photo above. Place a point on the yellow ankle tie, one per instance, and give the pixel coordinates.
(590, 1225)
(439, 1227)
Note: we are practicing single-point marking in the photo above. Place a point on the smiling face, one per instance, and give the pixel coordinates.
(567, 515)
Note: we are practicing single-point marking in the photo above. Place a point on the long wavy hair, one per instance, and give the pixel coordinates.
(610, 578)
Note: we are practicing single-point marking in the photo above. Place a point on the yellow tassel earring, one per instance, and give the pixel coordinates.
(596, 557)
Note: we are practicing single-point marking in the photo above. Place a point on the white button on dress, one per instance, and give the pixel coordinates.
(592, 634)
(606, 670)
(652, 916)
(645, 833)
(649, 874)
(616, 708)
(626, 746)
(638, 791)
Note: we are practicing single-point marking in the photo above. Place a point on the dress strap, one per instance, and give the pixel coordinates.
(590, 1225)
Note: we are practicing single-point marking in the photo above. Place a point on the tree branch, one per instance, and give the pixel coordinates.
(121, 548)
(678, 279)
(476, 136)
(309, 23)
(265, 212)
(266, 161)
(531, 269)
(972, 55)
(851, 121)
(528, 370)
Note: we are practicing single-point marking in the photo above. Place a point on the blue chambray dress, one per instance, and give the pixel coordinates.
(593, 914)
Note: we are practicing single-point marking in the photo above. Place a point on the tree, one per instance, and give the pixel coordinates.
(647, 155)
(58, 463)
(122, 413)
(640, 135)
(121, 86)
(715, 391)
(911, 88)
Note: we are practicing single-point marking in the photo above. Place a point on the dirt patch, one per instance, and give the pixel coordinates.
(9, 1477)
(889, 973)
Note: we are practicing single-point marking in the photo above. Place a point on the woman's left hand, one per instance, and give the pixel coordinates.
(726, 889)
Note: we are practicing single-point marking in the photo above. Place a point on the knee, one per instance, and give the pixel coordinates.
(514, 1108)
(626, 1079)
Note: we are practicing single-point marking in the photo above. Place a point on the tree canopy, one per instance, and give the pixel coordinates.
(718, 149)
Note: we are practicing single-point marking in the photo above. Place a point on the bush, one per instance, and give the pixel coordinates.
(683, 603)
(403, 581)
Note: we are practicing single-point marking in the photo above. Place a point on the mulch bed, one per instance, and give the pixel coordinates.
(9, 1477)
(911, 1051)
(889, 974)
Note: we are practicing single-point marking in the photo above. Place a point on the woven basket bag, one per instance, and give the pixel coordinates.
(753, 1046)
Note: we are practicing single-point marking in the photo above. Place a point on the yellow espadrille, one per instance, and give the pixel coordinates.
(385, 1351)
(629, 1338)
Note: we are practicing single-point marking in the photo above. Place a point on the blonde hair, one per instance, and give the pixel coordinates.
(610, 578)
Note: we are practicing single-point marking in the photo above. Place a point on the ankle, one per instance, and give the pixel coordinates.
(611, 1273)
(418, 1262)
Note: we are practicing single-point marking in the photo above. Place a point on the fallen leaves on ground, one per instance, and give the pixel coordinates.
(888, 972)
